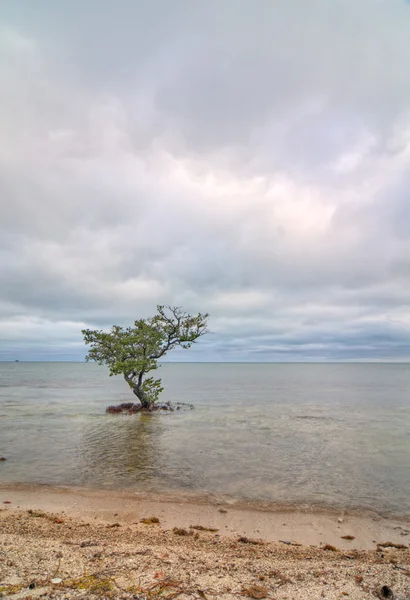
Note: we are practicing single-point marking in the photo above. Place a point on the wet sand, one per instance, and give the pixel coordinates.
(303, 525)
(71, 543)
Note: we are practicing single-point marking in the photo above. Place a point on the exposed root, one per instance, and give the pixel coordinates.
(132, 408)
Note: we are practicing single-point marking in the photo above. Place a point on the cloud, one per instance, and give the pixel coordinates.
(247, 161)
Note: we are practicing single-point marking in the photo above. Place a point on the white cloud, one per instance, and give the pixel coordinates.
(261, 177)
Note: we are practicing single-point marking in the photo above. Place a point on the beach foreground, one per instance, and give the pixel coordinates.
(58, 543)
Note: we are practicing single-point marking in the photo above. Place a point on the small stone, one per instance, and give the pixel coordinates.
(181, 531)
(340, 520)
(150, 521)
(256, 591)
(56, 580)
(330, 547)
(386, 592)
(88, 543)
(2, 458)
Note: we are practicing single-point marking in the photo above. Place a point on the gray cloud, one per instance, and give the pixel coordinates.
(247, 160)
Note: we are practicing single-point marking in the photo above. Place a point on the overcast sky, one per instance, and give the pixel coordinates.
(248, 158)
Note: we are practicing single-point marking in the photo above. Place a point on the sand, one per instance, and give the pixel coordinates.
(73, 543)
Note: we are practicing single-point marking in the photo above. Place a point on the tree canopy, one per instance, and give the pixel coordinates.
(134, 351)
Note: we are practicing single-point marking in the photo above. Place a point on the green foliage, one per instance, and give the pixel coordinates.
(134, 351)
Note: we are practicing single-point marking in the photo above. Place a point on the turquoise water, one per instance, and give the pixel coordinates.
(318, 434)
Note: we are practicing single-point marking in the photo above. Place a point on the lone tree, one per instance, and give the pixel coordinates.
(134, 351)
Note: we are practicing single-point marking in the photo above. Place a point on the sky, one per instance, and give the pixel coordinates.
(246, 159)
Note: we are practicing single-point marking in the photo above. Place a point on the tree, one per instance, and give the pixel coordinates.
(134, 351)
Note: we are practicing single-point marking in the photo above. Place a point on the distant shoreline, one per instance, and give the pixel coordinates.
(232, 362)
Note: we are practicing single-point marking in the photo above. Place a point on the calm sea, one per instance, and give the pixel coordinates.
(317, 434)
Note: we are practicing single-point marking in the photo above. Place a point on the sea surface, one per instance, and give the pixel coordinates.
(312, 434)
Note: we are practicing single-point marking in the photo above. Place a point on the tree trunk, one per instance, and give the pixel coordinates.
(146, 403)
(142, 397)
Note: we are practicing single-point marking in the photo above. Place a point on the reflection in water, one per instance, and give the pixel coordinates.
(119, 448)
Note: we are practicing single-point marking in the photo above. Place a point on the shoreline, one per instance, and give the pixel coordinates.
(72, 544)
(269, 522)
(202, 497)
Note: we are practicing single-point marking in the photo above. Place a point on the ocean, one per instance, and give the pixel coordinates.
(332, 435)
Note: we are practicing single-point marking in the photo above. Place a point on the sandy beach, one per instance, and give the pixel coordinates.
(76, 543)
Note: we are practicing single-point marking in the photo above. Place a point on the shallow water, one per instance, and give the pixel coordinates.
(324, 434)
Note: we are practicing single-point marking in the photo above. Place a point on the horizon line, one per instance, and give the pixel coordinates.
(199, 362)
